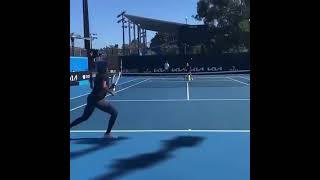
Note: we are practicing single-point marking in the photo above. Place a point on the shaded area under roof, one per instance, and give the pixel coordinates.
(155, 25)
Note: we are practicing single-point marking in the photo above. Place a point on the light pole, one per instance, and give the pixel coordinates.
(92, 37)
(86, 34)
(123, 21)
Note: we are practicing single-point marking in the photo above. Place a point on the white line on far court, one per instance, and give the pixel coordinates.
(89, 93)
(239, 81)
(173, 100)
(200, 80)
(156, 131)
(188, 91)
(244, 77)
(109, 94)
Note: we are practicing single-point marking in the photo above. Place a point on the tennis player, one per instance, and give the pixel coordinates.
(96, 99)
(189, 75)
(166, 66)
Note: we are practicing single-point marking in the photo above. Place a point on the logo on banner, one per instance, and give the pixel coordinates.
(214, 69)
(73, 77)
(85, 76)
(196, 69)
(179, 70)
(233, 69)
(158, 70)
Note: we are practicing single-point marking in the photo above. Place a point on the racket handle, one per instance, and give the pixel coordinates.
(113, 87)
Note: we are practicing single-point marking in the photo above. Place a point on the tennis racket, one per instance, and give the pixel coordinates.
(115, 78)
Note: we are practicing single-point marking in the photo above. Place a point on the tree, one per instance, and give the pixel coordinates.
(229, 21)
(160, 42)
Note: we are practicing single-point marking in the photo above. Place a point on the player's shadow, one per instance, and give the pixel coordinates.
(98, 143)
(121, 167)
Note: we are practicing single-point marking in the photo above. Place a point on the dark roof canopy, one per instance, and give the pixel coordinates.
(155, 25)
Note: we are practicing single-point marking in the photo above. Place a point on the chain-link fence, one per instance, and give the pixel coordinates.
(81, 52)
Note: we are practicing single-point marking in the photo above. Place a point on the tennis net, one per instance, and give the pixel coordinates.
(199, 79)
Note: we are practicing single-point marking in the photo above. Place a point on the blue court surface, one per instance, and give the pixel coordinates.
(167, 128)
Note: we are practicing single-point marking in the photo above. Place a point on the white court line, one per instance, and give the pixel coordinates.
(222, 77)
(239, 81)
(183, 81)
(210, 77)
(131, 86)
(202, 77)
(89, 93)
(155, 131)
(128, 81)
(77, 107)
(188, 91)
(79, 96)
(166, 100)
(244, 77)
(163, 100)
(174, 100)
(109, 94)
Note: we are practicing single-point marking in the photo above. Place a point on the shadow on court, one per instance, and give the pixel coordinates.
(99, 143)
(121, 167)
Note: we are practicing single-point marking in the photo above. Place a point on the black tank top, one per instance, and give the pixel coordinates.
(188, 68)
(98, 90)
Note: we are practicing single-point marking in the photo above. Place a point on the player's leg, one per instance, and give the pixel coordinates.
(88, 110)
(108, 108)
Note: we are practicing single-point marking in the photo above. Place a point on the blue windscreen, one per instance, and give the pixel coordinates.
(78, 64)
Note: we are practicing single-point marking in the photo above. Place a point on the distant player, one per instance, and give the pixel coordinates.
(166, 66)
(189, 75)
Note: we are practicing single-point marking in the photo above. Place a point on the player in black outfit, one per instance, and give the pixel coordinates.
(189, 75)
(96, 100)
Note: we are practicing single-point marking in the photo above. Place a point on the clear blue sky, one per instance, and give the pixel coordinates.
(103, 20)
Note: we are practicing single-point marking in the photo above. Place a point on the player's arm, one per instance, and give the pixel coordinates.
(106, 88)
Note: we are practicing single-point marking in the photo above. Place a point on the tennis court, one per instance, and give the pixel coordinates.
(167, 128)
